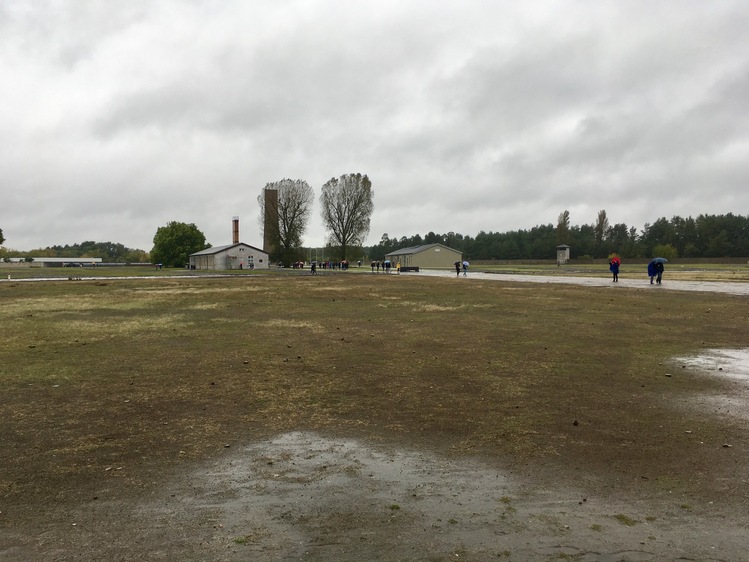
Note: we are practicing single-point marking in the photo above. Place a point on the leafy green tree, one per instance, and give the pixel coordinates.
(617, 240)
(582, 240)
(347, 206)
(432, 238)
(107, 251)
(667, 251)
(136, 256)
(719, 245)
(173, 244)
(630, 249)
(2, 238)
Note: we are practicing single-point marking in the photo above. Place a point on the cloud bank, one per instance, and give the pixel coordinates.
(494, 116)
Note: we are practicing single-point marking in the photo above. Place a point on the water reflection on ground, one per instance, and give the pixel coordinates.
(729, 364)
(730, 288)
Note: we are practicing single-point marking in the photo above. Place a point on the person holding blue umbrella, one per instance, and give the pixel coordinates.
(655, 269)
(659, 271)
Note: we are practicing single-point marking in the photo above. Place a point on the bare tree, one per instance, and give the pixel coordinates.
(347, 205)
(286, 223)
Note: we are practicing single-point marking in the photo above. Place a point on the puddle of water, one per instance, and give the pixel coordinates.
(306, 496)
(731, 364)
(301, 491)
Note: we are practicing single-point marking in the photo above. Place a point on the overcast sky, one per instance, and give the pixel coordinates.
(118, 117)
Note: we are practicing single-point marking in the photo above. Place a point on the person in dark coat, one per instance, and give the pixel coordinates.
(652, 271)
(457, 268)
(614, 269)
(659, 272)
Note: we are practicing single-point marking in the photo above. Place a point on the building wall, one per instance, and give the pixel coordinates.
(439, 256)
(202, 262)
(563, 255)
(239, 257)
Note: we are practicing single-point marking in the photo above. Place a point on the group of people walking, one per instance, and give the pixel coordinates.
(655, 269)
(385, 266)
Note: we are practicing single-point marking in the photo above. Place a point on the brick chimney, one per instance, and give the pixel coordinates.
(235, 230)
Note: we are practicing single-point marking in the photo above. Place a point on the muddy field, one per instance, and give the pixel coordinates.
(338, 431)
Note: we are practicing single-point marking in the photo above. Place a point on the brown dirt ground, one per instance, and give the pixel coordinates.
(340, 418)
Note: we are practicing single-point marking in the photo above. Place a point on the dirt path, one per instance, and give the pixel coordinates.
(727, 287)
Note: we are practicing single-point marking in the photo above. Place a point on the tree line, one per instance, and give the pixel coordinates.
(347, 207)
(707, 236)
(107, 251)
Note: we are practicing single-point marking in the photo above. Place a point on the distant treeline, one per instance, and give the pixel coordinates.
(107, 251)
(706, 236)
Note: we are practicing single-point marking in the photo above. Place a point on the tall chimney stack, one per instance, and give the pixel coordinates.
(235, 230)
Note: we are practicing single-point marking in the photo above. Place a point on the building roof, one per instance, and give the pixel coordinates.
(418, 249)
(217, 249)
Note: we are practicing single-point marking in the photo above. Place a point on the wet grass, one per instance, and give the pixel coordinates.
(626, 520)
(107, 385)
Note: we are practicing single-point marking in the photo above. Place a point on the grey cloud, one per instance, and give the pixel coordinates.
(467, 117)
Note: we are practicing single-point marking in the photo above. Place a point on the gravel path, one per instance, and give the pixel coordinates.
(703, 286)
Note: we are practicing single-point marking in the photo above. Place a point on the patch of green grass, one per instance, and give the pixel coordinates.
(596, 527)
(625, 519)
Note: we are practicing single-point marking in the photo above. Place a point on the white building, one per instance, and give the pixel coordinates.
(232, 256)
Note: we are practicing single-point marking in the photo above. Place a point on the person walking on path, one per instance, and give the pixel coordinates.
(614, 268)
(651, 271)
(465, 268)
(457, 268)
(658, 272)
